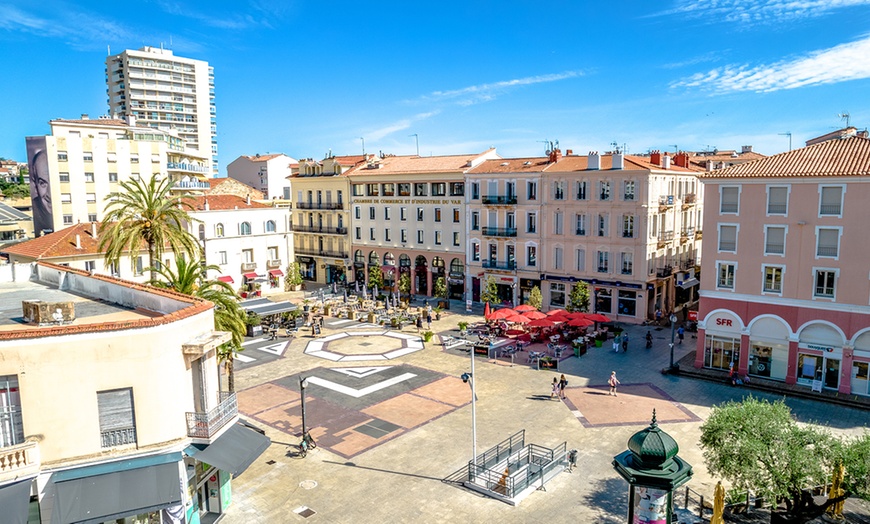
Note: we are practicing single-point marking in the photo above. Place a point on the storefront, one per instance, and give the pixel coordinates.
(526, 285)
(275, 277)
(768, 348)
(505, 287)
(860, 379)
(456, 280)
(308, 268)
(722, 341)
(335, 272)
(820, 353)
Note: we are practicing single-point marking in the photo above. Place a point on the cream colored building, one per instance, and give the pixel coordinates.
(166, 92)
(104, 387)
(625, 225)
(75, 167)
(408, 216)
(321, 218)
(268, 173)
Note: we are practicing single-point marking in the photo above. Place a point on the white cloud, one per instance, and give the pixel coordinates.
(81, 30)
(486, 92)
(234, 21)
(757, 12)
(399, 125)
(837, 64)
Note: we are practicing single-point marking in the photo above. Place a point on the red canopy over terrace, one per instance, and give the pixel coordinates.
(522, 308)
(534, 315)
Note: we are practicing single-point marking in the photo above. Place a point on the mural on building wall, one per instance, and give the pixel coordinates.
(40, 185)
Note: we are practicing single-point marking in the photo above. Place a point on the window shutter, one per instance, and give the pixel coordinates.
(727, 238)
(828, 240)
(730, 200)
(831, 199)
(116, 409)
(777, 203)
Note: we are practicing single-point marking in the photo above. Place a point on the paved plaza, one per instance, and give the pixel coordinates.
(390, 428)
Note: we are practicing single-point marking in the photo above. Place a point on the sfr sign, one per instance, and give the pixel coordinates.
(723, 322)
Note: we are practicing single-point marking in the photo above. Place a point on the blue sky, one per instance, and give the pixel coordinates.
(304, 77)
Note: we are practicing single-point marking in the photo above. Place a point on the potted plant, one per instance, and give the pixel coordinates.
(306, 305)
(463, 328)
(293, 280)
(441, 292)
(437, 310)
(427, 336)
(547, 363)
(253, 325)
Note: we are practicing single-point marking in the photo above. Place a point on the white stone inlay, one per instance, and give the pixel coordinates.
(358, 393)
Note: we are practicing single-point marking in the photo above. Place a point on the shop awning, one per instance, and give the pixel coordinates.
(250, 276)
(388, 268)
(226, 278)
(233, 451)
(276, 273)
(686, 284)
(15, 501)
(111, 496)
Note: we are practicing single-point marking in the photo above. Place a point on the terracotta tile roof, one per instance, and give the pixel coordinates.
(263, 158)
(59, 244)
(837, 157)
(93, 121)
(349, 160)
(727, 156)
(392, 165)
(223, 203)
(567, 164)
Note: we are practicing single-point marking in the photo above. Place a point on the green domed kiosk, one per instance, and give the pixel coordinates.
(653, 471)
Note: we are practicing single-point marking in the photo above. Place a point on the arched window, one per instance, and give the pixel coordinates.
(202, 231)
(457, 268)
(270, 226)
(219, 230)
(374, 259)
(358, 256)
(245, 228)
(389, 259)
(404, 261)
(420, 261)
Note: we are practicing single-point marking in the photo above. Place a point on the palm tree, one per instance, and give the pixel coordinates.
(188, 277)
(146, 212)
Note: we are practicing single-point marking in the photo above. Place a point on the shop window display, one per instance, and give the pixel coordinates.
(721, 352)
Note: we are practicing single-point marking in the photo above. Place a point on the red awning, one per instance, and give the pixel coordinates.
(250, 276)
(276, 273)
(228, 279)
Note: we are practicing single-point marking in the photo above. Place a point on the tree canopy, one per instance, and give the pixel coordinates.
(536, 300)
(578, 300)
(490, 291)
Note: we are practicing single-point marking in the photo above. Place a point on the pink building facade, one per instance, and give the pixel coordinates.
(785, 280)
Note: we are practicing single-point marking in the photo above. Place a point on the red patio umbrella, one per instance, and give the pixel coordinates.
(502, 314)
(522, 308)
(486, 310)
(581, 322)
(518, 319)
(558, 318)
(596, 317)
(542, 322)
(556, 312)
(534, 315)
(514, 332)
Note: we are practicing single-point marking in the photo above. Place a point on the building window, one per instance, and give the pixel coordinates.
(729, 200)
(558, 190)
(371, 233)
(421, 189)
(557, 294)
(67, 219)
(721, 352)
(113, 177)
(403, 213)
(774, 240)
(419, 214)
(371, 212)
(357, 212)
(827, 242)
(403, 235)
(12, 427)
(219, 230)
(64, 177)
(389, 189)
(627, 226)
(92, 217)
(603, 223)
(580, 192)
(455, 215)
(91, 198)
(117, 420)
(89, 177)
(475, 191)
(387, 235)
(358, 190)
(531, 256)
(456, 238)
(404, 189)
(90, 265)
(438, 238)
(727, 238)
(557, 223)
(457, 188)
(270, 226)
(531, 223)
(777, 200)
(772, 279)
(604, 190)
(65, 198)
(532, 190)
(140, 267)
(580, 259)
(358, 233)
(603, 261)
(437, 214)
(475, 251)
(627, 303)
(825, 280)
(557, 258)
(134, 158)
(831, 201)
(725, 279)
(419, 236)
(580, 224)
(627, 263)
(628, 188)
(439, 189)
(387, 213)
(87, 156)
(247, 255)
(222, 258)
(245, 228)
(603, 300)
(62, 156)
(475, 220)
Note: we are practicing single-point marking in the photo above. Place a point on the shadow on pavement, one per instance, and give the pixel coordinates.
(353, 465)
(542, 397)
(609, 496)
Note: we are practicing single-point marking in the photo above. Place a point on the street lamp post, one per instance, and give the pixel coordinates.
(673, 319)
(303, 383)
(469, 379)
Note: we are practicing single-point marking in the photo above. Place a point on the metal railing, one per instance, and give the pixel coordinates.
(727, 245)
(666, 236)
(830, 209)
(499, 200)
(272, 264)
(318, 252)
(205, 425)
(500, 264)
(318, 229)
(827, 251)
(319, 205)
(183, 166)
(664, 272)
(195, 184)
(118, 437)
(666, 200)
(690, 198)
(500, 231)
(775, 249)
(580, 231)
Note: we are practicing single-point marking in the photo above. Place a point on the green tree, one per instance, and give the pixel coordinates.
(855, 455)
(578, 300)
(441, 287)
(536, 300)
(146, 212)
(294, 276)
(189, 277)
(758, 446)
(376, 277)
(16, 191)
(490, 291)
(405, 284)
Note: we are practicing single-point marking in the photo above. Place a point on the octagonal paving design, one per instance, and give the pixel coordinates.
(364, 345)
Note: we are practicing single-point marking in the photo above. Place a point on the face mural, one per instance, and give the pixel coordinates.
(40, 185)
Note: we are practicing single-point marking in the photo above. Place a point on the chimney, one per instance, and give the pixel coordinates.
(85, 116)
(131, 120)
(78, 241)
(555, 155)
(594, 161)
(682, 159)
(569, 152)
(618, 160)
(709, 165)
(205, 206)
(248, 199)
(94, 230)
(655, 157)
(746, 149)
(666, 161)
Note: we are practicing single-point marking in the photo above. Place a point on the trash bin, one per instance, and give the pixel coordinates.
(576, 351)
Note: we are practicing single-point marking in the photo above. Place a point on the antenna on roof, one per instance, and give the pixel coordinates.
(615, 147)
(788, 134)
(845, 116)
(363, 145)
(549, 145)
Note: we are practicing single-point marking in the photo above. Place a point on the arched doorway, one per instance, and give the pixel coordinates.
(456, 280)
(389, 269)
(421, 277)
(359, 267)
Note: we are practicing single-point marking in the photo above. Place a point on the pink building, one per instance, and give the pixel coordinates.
(785, 282)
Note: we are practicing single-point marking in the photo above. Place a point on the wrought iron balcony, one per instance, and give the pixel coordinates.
(687, 263)
(190, 184)
(320, 230)
(666, 200)
(206, 425)
(507, 265)
(499, 200)
(314, 251)
(500, 231)
(190, 168)
(581, 231)
(319, 205)
(19, 460)
(664, 272)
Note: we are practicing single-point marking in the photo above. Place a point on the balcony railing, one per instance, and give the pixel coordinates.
(777, 209)
(581, 231)
(775, 249)
(829, 209)
(318, 229)
(827, 251)
(687, 263)
(206, 425)
(664, 272)
(192, 184)
(499, 200)
(249, 266)
(274, 263)
(318, 252)
(666, 200)
(666, 236)
(687, 232)
(500, 231)
(726, 245)
(191, 168)
(118, 437)
(500, 264)
(319, 205)
(19, 460)
(690, 198)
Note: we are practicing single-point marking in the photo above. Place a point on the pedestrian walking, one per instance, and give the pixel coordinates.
(625, 342)
(616, 344)
(613, 382)
(681, 333)
(419, 324)
(563, 383)
(685, 312)
(429, 320)
(555, 389)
